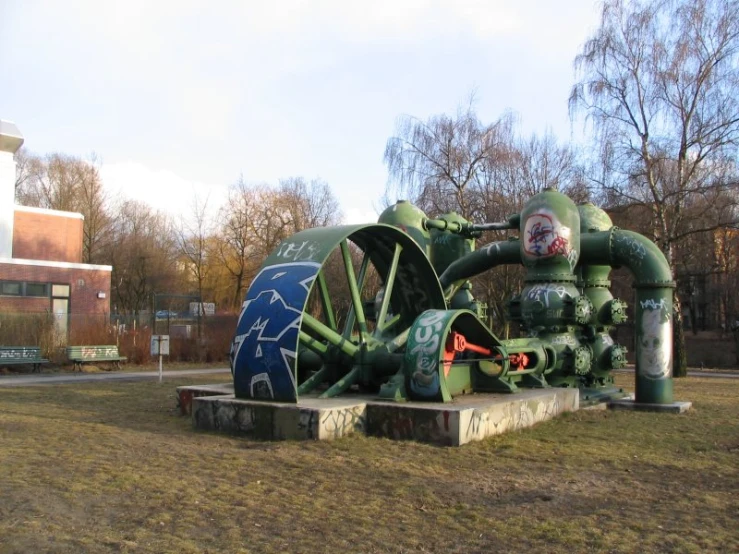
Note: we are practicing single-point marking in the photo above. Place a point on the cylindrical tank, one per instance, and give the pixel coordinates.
(408, 218)
(550, 237)
(448, 247)
(593, 280)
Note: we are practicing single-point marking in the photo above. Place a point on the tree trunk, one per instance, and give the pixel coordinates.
(679, 352)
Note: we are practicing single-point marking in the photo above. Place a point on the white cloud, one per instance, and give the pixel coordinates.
(194, 93)
(354, 216)
(161, 189)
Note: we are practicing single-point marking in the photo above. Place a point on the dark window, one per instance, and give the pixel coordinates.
(10, 288)
(37, 289)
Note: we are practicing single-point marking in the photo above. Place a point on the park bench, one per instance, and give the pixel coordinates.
(79, 355)
(15, 355)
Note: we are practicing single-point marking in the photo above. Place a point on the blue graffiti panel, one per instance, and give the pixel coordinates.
(264, 349)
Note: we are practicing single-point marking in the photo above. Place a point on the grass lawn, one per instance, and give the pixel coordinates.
(111, 467)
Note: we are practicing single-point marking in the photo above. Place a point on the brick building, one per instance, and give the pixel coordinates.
(41, 269)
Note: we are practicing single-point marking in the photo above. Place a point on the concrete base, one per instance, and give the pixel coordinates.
(673, 408)
(186, 394)
(467, 418)
(607, 405)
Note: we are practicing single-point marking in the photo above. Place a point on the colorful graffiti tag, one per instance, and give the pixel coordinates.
(545, 236)
(264, 349)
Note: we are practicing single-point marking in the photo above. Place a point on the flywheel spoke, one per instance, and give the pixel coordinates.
(325, 332)
(356, 312)
(388, 289)
(328, 310)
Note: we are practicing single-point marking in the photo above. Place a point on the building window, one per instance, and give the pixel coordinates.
(60, 291)
(10, 288)
(37, 289)
(20, 288)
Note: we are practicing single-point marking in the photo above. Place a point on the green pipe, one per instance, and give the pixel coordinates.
(330, 335)
(388, 290)
(355, 290)
(399, 341)
(313, 381)
(343, 384)
(328, 309)
(479, 261)
(654, 316)
(313, 344)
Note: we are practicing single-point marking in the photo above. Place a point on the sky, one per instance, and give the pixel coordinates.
(178, 99)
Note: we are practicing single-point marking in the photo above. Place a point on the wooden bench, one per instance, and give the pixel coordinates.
(14, 355)
(101, 353)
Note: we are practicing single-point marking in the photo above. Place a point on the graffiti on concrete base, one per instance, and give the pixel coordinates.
(337, 423)
(510, 417)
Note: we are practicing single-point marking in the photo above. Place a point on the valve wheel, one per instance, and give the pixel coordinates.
(306, 321)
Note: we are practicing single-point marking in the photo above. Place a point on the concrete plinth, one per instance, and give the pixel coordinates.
(467, 418)
(311, 418)
(186, 394)
(671, 408)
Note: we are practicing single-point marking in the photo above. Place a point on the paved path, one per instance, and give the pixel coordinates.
(67, 378)
(726, 375)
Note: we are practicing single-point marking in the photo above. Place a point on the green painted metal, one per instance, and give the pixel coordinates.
(653, 319)
(451, 239)
(451, 352)
(421, 335)
(593, 281)
(479, 261)
(410, 219)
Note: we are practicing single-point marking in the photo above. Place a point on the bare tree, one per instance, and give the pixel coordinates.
(193, 237)
(434, 163)
(238, 250)
(308, 204)
(659, 82)
(485, 172)
(92, 203)
(257, 217)
(28, 167)
(143, 256)
(67, 183)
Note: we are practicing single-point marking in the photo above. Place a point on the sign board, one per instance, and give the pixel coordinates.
(202, 308)
(160, 345)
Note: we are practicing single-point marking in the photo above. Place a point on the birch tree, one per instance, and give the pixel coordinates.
(659, 83)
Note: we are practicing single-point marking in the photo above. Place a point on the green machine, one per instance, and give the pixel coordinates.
(387, 309)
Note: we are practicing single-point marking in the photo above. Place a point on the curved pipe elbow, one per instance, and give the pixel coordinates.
(636, 252)
(479, 261)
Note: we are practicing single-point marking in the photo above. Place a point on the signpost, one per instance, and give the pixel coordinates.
(160, 347)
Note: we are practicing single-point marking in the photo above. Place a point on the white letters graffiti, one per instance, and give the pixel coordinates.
(651, 304)
(542, 292)
(296, 251)
(567, 340)
(427, 337)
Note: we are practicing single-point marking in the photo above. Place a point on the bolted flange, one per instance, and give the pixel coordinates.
(618, 311)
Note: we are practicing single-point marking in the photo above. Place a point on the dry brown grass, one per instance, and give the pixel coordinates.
(111, 468)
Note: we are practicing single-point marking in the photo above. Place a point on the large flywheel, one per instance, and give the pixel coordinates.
(331, 307)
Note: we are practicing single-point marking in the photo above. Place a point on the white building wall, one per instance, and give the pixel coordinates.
(10, 141)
